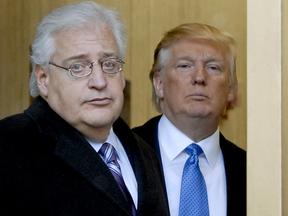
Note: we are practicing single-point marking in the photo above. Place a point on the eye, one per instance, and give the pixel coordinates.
(213, 69)
(184, 67)
(78, 67)
(108, 64)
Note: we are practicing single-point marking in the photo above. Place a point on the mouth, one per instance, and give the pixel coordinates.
(100, 101)
(198, 96)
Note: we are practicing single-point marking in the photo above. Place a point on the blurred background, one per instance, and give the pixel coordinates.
(259, 122)
(146, 21)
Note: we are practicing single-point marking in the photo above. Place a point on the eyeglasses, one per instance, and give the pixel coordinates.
(83, 69)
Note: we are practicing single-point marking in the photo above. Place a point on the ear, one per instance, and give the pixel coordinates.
(232, 92)
(123, 79)
(158, 84)
(42, 77)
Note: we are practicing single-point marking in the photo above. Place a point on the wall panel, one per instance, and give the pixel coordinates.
(162, 15)
(267, 107)
(284, 164)
(13, 75)
(146, 22)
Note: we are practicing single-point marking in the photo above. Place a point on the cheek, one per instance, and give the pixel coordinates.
(63, 94)
(57, 81)
(223, 92)
(116, 87)
(173, 81)
(176, 85)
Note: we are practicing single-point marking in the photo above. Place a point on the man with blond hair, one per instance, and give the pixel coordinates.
(194, 81)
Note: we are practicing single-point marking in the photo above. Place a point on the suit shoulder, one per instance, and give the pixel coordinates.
(143, 145)
(147, 125)
(147, 130)
(14, 122)
(232, 152)
(17, 128)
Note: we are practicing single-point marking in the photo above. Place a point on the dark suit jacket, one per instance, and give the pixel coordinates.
(48, 168)
(234, 162)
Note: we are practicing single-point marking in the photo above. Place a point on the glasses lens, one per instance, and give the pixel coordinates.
(112, 66)
(81, 69)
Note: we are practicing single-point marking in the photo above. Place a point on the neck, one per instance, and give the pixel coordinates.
(196, 129)
(98, 135)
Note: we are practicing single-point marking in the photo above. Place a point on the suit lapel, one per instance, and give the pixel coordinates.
(235, 169)
(136, 159)
(141, 165)
(233, 162)
(74, 150)
(149, 133)
(83, 158)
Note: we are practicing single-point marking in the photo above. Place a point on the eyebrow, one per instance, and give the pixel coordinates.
(212, 58)
(83, 56)
(107, 54)
(186, 57)
(206, 59)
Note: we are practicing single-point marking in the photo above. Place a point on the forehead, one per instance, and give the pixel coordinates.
(197, 48)
(85, 42)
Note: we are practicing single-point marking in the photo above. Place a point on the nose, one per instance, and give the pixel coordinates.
(200, 75)
(97, 78)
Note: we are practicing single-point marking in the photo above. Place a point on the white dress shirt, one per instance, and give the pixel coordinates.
(122, 158)
(172, 144)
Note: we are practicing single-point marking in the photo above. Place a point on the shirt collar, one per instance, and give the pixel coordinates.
(111, 139)
(211, 148)
(174, 142)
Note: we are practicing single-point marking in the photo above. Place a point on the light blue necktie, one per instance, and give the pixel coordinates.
(193, 200)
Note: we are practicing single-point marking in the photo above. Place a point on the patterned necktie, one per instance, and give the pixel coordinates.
(108, 154)
(193, 200)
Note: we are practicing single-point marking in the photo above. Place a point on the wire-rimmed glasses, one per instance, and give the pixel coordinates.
(83, 69)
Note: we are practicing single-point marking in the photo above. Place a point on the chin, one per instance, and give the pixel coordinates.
(199, 114)
(101, 120)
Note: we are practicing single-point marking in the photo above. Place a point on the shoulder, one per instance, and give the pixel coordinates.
(19, 137)
(235, 169)
(144, 146)
(17, 124)
(233, 155)
(150, 124)
(148, 131)
(129, 139)
(22, 132)
(229, 147)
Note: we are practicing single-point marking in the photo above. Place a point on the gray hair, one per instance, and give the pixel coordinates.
(78, 15)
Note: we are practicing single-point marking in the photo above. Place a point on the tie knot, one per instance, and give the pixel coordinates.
(108, 153)
(194, 149)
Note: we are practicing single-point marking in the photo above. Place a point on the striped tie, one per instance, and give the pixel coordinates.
(108, 154)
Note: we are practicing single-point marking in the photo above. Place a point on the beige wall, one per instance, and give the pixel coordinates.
(284, 123)
(147, 29)
(267, 104)
(147, 21)
(284, 143)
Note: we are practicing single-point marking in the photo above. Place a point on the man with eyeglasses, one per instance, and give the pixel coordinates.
(69, 153)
